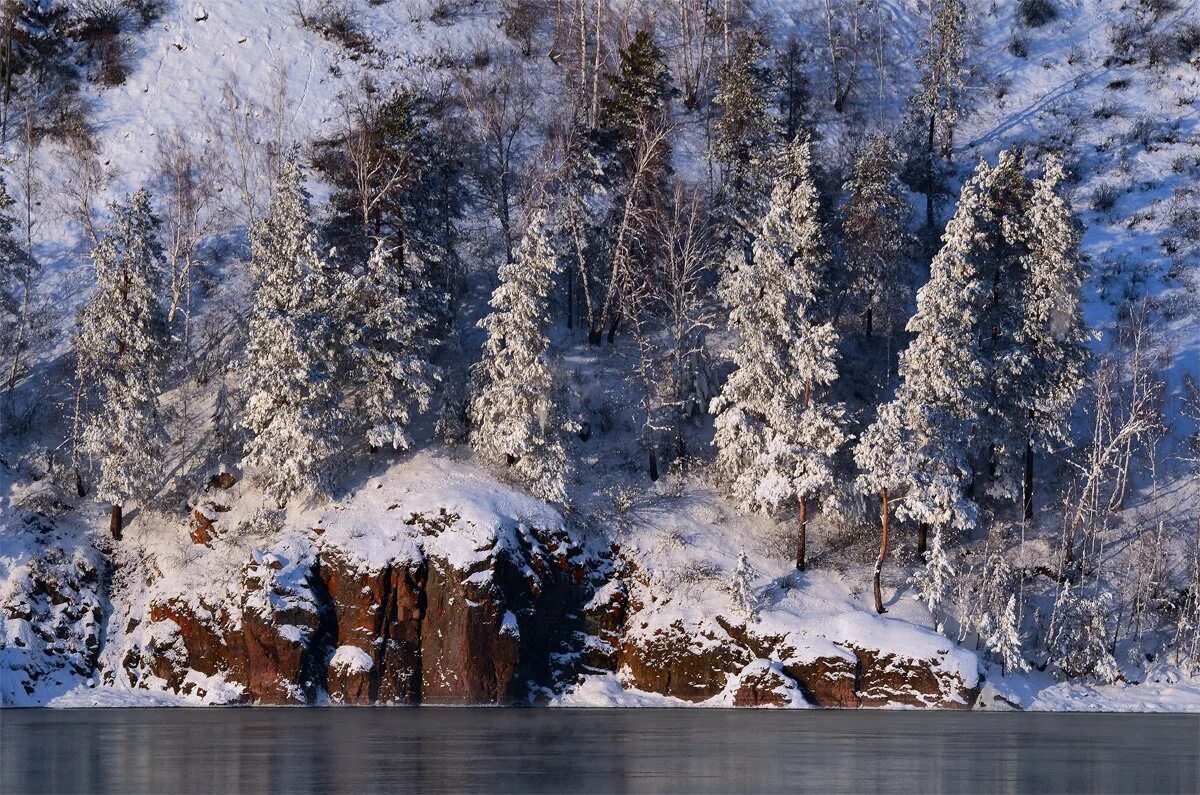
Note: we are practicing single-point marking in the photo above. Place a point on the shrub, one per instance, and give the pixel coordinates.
(1035, 13)
(1104, 197)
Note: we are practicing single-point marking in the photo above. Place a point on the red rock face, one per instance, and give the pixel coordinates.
(380, 613)
(889, 678)
(416, 632)
(469, 647)
(673, 663)
(764, 687)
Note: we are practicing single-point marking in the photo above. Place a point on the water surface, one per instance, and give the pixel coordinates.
(432, 750)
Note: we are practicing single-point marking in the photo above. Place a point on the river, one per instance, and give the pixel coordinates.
(429, 750)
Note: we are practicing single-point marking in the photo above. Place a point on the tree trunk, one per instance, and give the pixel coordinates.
(571, 297)
(114, 523)
(929, 154)
(801, 535)
(653, 463)
(922, 538)
(879, 608)
(1028, 496)
(869, 322)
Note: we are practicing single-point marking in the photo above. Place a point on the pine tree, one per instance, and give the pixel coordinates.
(390, 347)
(933, 582)
(1078, 639)
(742, 141)
(887, 466)
(939, 101)
(291, 401)
(776, 435)
(875, 233)
(18, 269)
(1003, 433)
(1055, 334)
(920, 444)
(943, 388)
(121, 353)
(742, 588)
(1005, 641)
(517, 412)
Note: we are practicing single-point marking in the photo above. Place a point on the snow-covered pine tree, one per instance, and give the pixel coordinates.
(390, 347)
(223, 418)
(1077, 640)
(1004, 641)
(291, 408)
(741, 142)
(17, 272)
(933, 583)
(1055, 334)
(121, 354)
(776, 433)
(876, 238)
(939, 101)
(745, 600)
(518, 414)
(943, 373)
(1003, 433)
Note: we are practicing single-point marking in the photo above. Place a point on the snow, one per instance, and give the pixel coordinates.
(351, 660)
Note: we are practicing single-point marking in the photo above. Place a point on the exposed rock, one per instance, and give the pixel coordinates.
(896, 679)
(469, 648)
(763, 683)
(203, 529)
(674, 662)
(379, 612)
(349, 678)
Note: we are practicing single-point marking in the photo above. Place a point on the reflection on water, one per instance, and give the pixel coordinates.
(540, 750)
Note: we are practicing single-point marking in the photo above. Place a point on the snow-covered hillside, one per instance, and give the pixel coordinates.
(489, 144)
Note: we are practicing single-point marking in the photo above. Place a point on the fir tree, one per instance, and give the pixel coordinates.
(1078, 639)
(876, 238)
(776, 434)
(291, 401)
(390, 347)
(517, 412)
(121, 351)
(640, 92)
(1054, 333)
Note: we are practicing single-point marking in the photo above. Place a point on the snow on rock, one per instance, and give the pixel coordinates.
(51, 605)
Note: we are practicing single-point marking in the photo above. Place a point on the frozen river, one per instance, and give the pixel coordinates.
(596, 751)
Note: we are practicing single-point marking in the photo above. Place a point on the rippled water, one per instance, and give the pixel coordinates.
(550, 750)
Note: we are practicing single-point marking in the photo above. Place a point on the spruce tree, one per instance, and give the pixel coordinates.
(776, 431)
(876, 238)
(121, 355)
(1054, 333)
(390, 347)
(517, 411)
(291, 401)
